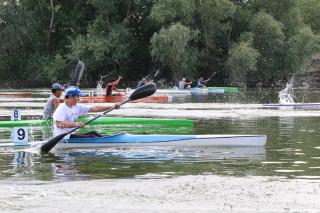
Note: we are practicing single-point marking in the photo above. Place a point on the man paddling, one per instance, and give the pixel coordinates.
(202, 83)
(65, 116)
(183, 84)
(112, 86)
(53, 101)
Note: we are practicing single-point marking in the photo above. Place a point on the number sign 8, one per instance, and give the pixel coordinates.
(15, 115)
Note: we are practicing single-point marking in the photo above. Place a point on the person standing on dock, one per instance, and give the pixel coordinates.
(112, 86)
(53, 101)
(65, 116)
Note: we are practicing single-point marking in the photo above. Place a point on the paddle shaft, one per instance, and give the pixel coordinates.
(213, 73)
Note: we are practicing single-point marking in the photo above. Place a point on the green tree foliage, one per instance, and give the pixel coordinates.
(242, 61)
(172, 47)
(268, 39)
(301, 48)
(168, 11)
(17, 43)
(310, 13)
(244, 41)
(284, 11)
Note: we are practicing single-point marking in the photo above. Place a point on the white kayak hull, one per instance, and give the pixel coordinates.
(129, 140)
(125, 139)
(205, 91)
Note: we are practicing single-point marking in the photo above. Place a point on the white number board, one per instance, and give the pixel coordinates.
(20, 135)
(15, 115)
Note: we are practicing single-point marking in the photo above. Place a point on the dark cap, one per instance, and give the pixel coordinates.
(57, 86)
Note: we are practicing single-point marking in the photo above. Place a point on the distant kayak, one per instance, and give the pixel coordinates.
(199, 91)
(122, 97)
(225, 89)
(207, 90)
(16, 94)
(292, 105)
(104, 121)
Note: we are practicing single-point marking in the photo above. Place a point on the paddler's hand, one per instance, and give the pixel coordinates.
(117, 106)
(80, 124)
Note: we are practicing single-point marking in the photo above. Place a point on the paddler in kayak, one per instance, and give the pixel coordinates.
(143, 82)
(183, 84)
(201, 83)
(53, 101)
(65, 116)
(112, 86)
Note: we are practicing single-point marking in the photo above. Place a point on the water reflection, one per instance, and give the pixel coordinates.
(131, 162)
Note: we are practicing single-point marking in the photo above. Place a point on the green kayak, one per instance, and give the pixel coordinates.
(104, 121)
(226, 89)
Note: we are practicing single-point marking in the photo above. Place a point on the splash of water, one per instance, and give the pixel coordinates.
(286, 95)
(99, 89)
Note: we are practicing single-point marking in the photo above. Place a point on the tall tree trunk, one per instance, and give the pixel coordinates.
(51, 23)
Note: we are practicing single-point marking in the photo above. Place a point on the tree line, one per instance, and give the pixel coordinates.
(246, 42)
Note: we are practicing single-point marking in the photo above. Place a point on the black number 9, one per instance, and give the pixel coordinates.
(21, 134)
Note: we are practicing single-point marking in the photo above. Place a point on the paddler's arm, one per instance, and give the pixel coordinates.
(68, 124)
(117, 81)
(55, 103)
(102, 108)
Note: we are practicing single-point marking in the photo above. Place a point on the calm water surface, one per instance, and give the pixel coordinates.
(292, 151)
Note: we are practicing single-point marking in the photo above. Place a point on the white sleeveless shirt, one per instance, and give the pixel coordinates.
(69, 114)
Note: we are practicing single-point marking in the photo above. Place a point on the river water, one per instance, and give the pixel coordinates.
(284, 176)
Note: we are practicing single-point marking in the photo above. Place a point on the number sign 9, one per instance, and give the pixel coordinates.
(20, 135)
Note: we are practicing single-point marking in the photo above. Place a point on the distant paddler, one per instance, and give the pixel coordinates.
(53, 101)
(202, 83)
(146, 80)
(112, 86)
(183, 84)
(142, 82)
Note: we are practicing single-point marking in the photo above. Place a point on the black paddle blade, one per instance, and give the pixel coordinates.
(144, 91)
(45, 148)
(78, 73)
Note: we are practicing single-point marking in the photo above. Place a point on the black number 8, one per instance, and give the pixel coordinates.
(21, 134)
(15, 113)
